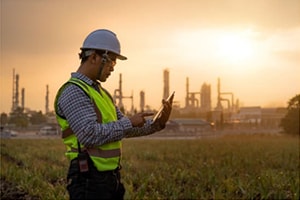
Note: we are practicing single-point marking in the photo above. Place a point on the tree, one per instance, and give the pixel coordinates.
(3, 119)
(290, 123)
(37, 118)
(19, 118)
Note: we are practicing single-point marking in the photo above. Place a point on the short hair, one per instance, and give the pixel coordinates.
(84, 54)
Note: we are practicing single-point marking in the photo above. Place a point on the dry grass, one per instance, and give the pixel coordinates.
(231, 167)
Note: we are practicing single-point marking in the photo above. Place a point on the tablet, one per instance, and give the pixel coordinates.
(170, 99)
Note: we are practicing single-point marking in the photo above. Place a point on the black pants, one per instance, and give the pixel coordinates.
(94, 184)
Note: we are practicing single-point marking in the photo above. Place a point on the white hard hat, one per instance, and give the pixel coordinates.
(103, 39)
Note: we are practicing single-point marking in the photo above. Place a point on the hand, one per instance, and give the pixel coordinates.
(165, 114)
(138, 120)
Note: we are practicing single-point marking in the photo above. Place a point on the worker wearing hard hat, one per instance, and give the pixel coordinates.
(93, 126)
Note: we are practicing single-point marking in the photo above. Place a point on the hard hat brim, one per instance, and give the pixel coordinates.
(120, 57)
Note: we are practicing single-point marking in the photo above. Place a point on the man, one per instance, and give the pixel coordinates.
(93, 126)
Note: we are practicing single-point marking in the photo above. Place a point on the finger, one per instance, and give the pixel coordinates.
(145, 114)
(167, 107)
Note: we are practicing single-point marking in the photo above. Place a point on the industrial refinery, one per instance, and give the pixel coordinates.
(16, 95)
(226, 114)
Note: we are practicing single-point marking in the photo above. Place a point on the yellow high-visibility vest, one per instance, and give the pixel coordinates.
(107, 156)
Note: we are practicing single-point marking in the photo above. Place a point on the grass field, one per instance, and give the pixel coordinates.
(228, 167)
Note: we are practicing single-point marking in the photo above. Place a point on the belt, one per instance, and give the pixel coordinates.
(93, 168)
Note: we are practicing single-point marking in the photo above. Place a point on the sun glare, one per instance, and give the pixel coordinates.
(235, 48)
(229, 51)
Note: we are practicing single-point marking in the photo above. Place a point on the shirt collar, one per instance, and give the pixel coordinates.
(83, 78)
(87, 80)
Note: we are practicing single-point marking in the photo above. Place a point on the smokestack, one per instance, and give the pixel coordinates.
(142, 101)
(120, 92)
(187, 92)
(15, 92)
(47, 100)
(219, 105)
(23, 98)
(166, 84)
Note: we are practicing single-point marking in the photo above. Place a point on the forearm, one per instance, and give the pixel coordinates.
(147, 129)
(105, 133)
(77, 108)
(97, 134)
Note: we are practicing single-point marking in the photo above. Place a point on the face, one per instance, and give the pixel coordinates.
(107, 68)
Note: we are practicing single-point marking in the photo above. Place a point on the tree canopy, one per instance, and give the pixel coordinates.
(290, 123)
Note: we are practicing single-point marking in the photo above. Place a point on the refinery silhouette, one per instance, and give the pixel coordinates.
(197, 115)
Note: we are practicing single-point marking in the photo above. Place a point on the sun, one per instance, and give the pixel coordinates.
(235, 48)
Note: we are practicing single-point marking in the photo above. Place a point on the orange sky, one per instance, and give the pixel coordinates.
(252, 45)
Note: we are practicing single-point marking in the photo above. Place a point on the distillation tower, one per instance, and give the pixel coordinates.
(16, 95)
(200, 100)
(118, 96)
(15, 92)
(231, 107)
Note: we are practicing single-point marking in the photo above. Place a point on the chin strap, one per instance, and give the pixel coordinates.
(103, 62)
(104, 59)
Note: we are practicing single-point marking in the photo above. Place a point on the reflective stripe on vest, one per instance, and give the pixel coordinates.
(99, 152)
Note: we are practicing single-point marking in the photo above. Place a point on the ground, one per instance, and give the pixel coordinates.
(10, 191)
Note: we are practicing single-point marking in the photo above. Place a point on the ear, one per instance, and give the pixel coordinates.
(93, 58)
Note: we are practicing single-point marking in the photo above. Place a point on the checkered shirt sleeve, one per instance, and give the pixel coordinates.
(75, 106)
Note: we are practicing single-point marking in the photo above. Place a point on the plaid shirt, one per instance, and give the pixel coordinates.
(75, 106)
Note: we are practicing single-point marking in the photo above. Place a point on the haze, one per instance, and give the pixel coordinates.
(251, 45)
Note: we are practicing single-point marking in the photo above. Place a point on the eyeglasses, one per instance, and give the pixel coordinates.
(112, 61)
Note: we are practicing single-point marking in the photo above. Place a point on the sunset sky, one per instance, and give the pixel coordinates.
(253, 46)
